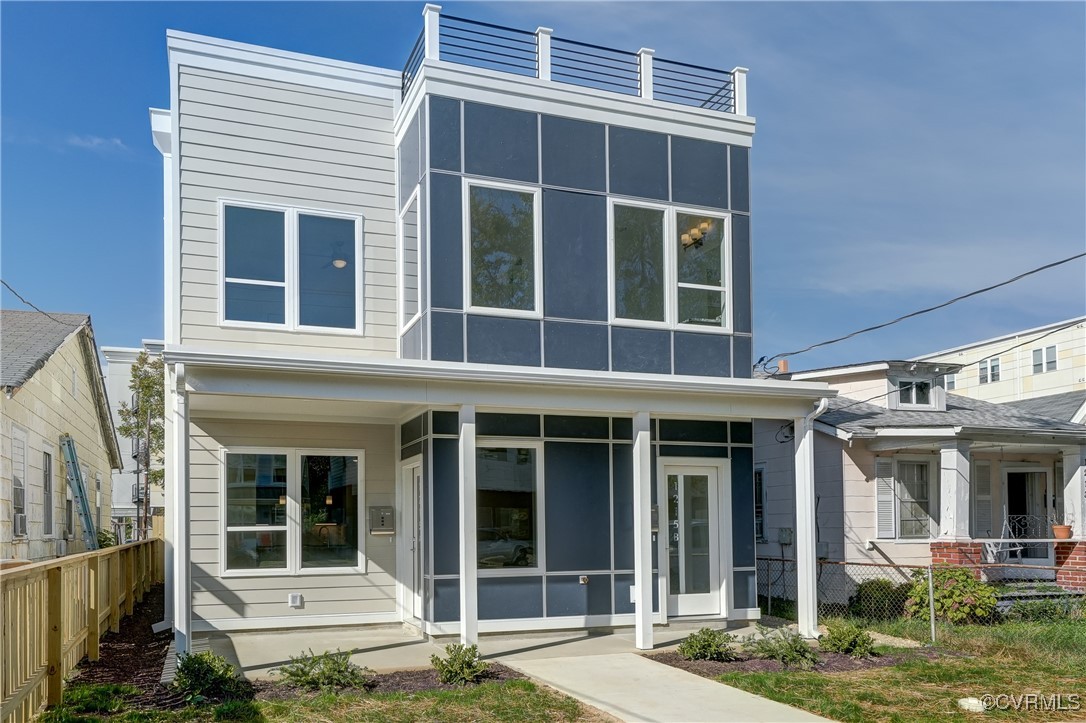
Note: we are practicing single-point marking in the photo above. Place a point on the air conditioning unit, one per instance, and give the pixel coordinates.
(61, 548)
(20, 524)
(18, 498)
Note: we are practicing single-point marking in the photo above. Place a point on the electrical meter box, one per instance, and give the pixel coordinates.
(382, 520)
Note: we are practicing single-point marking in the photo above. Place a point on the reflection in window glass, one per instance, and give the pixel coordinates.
(254, 264)
(701, 266)
(639, 263)
(256, 497)
(410, 226)
(506, 525)
(502, 248)
(248, 302)
(329, 498)
(327, 269)
(914, 499)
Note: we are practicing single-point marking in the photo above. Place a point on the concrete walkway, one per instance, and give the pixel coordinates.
(633, 688)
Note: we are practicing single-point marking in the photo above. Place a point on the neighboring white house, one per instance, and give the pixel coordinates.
(50, 385)
(1042, 361)
(128, 487)
(440, 340)
(909, 473)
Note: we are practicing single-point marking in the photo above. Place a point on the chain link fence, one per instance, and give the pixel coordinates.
(876, 592)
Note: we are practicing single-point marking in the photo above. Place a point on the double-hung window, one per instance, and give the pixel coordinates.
(292, 511)
(504, 251)
(989, 370)
(907, 497)
(18, 479)
(914, 392)
(1044, 360)
(291, 268)
(47, 493)
(669, 266)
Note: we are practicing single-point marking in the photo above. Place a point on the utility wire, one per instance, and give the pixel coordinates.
(20, 298)
(764, 361)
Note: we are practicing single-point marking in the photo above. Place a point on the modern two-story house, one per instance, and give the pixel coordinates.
(465, 345)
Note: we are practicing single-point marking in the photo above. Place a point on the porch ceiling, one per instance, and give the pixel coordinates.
(296, 409)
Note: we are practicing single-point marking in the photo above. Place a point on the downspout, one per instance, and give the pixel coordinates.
(806, 547)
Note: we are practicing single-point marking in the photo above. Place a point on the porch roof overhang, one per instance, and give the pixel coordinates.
(410, 384)
(893, 438)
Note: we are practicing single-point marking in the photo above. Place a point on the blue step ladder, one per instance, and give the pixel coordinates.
(79, 491)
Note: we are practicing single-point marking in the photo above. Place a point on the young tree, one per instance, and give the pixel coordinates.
(143, 420)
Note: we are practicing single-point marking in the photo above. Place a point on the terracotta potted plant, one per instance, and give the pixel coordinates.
(1061, 530)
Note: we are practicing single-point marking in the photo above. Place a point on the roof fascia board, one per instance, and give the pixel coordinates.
(93, 366)
(833, 431)
(918, 432)
(161, 130)
(437, 77)
(1079, 417)
(1005, 337)
(231, 57)
(840, 372)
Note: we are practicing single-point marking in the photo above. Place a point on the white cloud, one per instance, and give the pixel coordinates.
(96, 143)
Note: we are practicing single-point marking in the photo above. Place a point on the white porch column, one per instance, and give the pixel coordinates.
(954, 491)
(806, 549)
(431, 27)
(642, 499)
(182, 606)
(1074, 490)
(469, 565)
(169, 447)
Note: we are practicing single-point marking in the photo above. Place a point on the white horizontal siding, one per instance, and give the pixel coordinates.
(216, 597)
(274, 142)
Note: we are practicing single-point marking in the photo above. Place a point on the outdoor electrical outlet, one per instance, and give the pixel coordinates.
(584, 579)
(294, 600)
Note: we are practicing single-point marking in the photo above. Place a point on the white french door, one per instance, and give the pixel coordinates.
(693, 539)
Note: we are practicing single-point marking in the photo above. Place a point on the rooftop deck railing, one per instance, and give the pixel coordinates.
(539, 55)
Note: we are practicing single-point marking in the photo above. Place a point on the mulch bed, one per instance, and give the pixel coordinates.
(828, 663)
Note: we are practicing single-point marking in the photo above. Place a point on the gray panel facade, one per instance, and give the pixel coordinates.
(571, 345)
(496, 340)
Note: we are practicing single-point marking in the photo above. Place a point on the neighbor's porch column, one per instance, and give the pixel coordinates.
(182, 606)
(954, 491)
(469, 566)
(1074, 490)
(806, 550)
(642, 499)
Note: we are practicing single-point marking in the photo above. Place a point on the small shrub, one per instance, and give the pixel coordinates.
(460, 666)
(959, 596)
(848, 639)
(1045, 610)
(785, 646)
(327, 671)
(708, 644)
(207, 676)
(106, 538)
(879, 599)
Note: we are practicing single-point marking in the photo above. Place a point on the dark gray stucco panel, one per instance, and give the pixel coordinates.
(746, 588)
(573, 345)
(446, 600)
(446, 497)
(740, 178)
(706, 355)
(496, 340)
(638, 163)
(574, 153)
(623, 583)
(501, 142)
(574, 255)
(699, 172)
(640, 350)
(446, 242)
(741, 274)
(501, 598)
(741, 356)
(447, 328)
(743, 507)
(577, 503)
(622, 499)
(566, 595)
(444, 128)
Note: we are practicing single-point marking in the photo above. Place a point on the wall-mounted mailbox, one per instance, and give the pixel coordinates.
(382, 520)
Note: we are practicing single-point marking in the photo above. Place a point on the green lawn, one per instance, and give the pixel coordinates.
(1008, 658)
(516, 700)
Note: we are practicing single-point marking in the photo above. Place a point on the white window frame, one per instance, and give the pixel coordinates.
(950, 382)
(48, 478)
(933, 496)
(537, 247)
(292, 297)
(98, 500)
(401, 263)
(901, 403)
(985, 370)
(671, 267)
(1049, 362)
(540, 520)
(293, 525)
(19, 436)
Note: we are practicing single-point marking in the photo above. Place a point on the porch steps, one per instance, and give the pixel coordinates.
(1026, 590)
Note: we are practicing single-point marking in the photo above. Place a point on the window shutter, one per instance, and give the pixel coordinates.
(982, 500)
(884, 497)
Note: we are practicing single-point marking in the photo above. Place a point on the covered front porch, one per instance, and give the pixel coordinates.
(486, 500)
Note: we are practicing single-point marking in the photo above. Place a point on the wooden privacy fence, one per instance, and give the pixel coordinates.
(53, 613)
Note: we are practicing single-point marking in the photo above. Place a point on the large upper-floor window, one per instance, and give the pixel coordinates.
(291, 268)
(669, 267)
(503, 255)
(989, 370)
(1044, 360)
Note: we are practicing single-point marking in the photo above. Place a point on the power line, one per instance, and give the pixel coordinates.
(765, 361)
(20, 298)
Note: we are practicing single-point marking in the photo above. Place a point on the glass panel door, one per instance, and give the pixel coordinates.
(693, 541)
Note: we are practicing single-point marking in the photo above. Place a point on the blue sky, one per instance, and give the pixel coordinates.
(905, 152)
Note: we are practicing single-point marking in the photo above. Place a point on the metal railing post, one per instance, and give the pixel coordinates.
(543, 52)
(432, 28)
(931, 604)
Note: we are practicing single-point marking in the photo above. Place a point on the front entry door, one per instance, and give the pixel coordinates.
(693, 540)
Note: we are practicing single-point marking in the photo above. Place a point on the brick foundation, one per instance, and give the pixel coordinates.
(1071, 559)
(945, 552)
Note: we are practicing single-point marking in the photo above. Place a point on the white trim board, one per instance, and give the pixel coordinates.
(289, 622)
